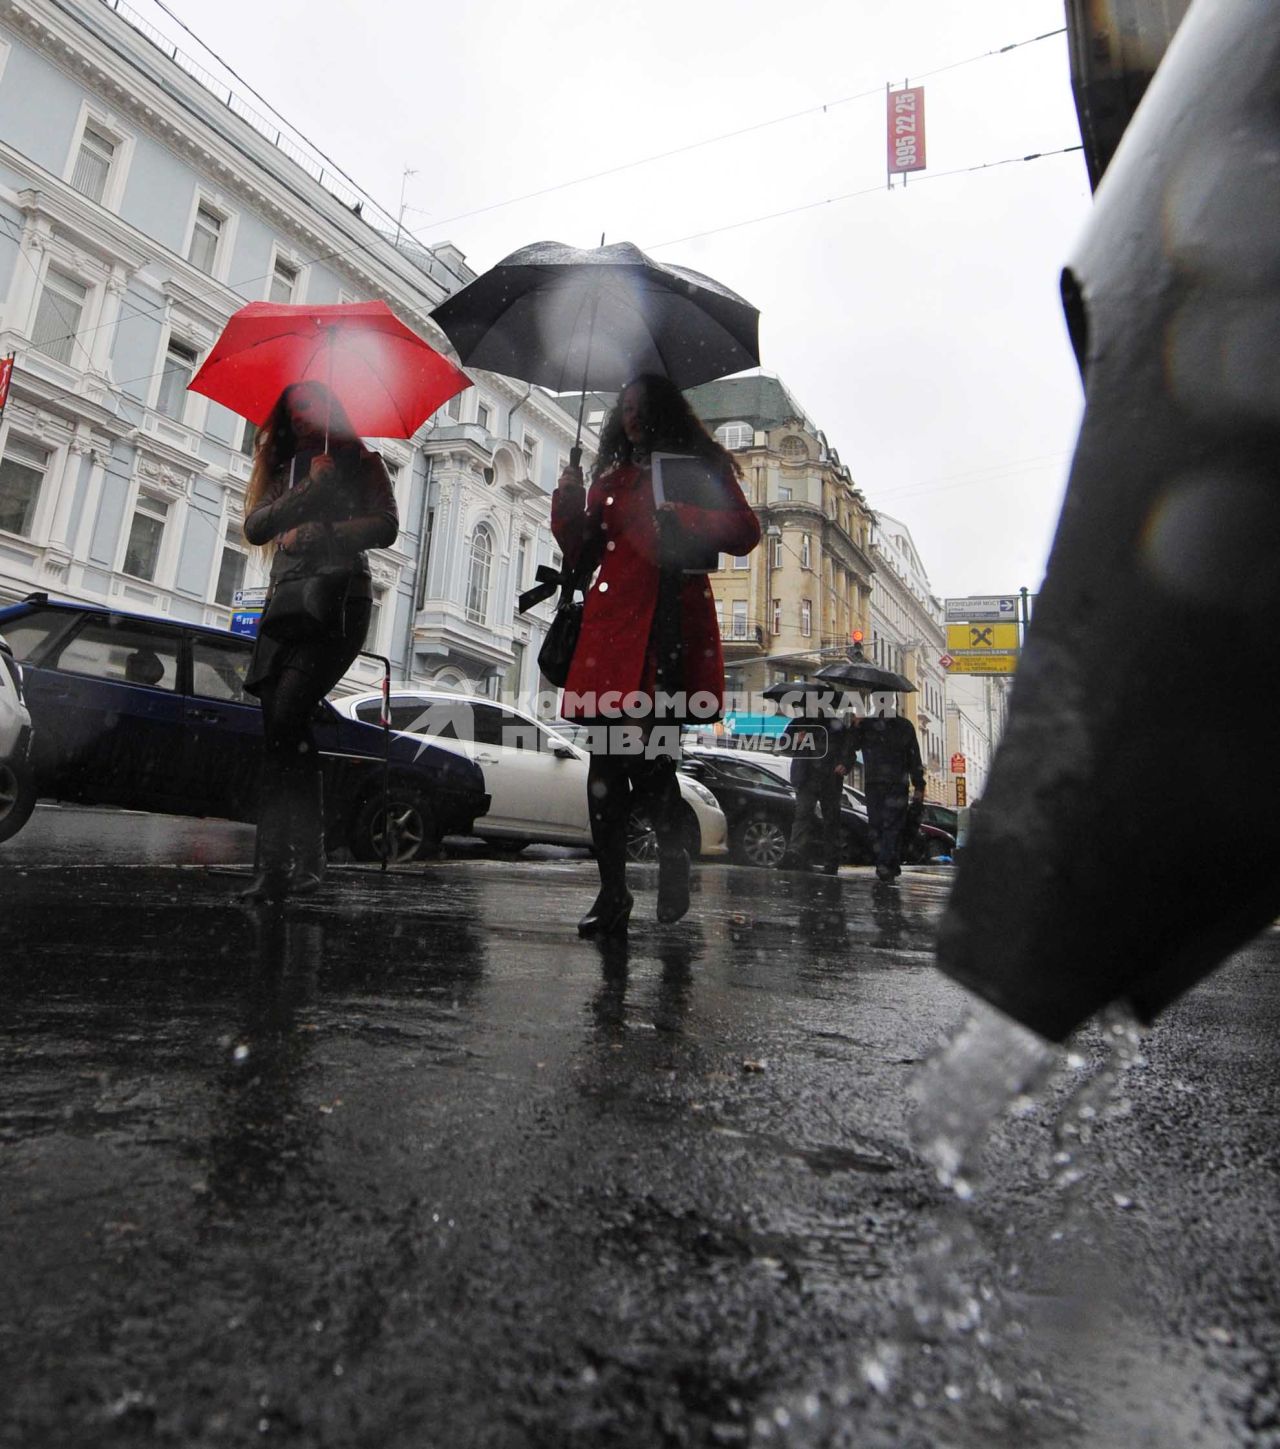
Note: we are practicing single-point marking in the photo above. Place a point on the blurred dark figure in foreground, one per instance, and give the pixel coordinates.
(891, 768)
(1109, 859)
(818, 774)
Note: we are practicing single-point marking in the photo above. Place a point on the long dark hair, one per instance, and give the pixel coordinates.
(671, 422)
(277, 443)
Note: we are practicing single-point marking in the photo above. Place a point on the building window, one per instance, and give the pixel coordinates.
(734, 435)
(793, 448)
(58, 314)
(739, 607)
(806, 617)
(93, 163)
(530, 449)
(777, 553)
(720, 617)
(205, 235)
(231, 569)
(375, 621)
(179, 369)
(453, 408)
(146, 534)
(784, 493)
(521, 563)
(741, 561)
(777, 616)
(806, 557)
(484, 415)
(424, 560)
(22, 472)
(478, 575)
(249, 439)
(284, 279)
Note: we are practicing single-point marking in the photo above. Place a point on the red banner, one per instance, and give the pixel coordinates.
(6, 376)
(906, 130)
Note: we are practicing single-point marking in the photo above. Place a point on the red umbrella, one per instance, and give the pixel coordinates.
(388, 380)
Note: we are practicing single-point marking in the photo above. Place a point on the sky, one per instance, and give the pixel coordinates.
(920, 329)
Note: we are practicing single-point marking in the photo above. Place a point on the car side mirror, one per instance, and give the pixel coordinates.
(563, 752)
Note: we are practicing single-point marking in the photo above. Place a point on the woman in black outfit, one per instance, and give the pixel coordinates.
(319, 498)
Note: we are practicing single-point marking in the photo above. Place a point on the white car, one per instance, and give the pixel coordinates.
(535, 777)
(17, 784)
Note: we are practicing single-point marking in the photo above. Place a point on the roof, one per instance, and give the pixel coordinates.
(759, 399)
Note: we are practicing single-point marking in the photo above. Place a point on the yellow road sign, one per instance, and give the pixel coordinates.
(961, 638)
(983, 663)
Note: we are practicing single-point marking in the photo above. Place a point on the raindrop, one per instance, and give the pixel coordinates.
(240, 1054)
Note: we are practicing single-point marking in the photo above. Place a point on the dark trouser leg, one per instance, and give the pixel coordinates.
(802, 824)
(658, 791)
(832, 835)
(886, 815)
(608, 805)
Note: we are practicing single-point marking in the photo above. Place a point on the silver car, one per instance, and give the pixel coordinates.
(536, 778)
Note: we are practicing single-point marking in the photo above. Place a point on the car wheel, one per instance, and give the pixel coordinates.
(761, 841)
(408, 821)
(642, 838)
(17, 798)
(692, 835)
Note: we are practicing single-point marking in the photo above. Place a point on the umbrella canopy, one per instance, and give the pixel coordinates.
(796, 691)
(860, 677)
(388, 380)
(566, 318)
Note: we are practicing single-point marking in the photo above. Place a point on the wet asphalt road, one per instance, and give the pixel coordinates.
(414, 1166)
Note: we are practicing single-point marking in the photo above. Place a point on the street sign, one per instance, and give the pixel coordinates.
(906, 130)
(946, 661)
(962, 795)
(249, 598)
(957, 764)
(982, 607)
(980, 662)
(965, 638)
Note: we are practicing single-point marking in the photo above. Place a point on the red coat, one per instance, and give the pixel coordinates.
(620, 524)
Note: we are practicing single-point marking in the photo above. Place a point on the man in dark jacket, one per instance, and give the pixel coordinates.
(821, 753)
(890, 762)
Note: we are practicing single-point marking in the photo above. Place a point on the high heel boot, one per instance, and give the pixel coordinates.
(273, 845)
(306, 823)
(673, 884)
(611, 909)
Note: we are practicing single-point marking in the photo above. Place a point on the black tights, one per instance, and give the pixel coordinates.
(612, 783)
(289, 701)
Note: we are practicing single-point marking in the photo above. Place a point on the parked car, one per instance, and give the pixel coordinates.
(855, 831)
(536, 778)
(760, 808)
(17, 783)
(151, 714)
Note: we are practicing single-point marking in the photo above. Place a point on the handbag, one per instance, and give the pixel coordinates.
(561, 639)
(311, 606)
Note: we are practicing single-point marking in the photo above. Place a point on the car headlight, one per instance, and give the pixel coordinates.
(701, 791)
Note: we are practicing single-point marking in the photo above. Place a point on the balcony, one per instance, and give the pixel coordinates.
(742, 638)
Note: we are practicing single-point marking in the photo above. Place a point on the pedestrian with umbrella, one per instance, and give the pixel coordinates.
(820, 744)
(890, 756)
(317, 498)
(649, 649)
(649, 646)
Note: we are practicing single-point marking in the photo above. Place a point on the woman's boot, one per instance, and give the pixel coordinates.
(611, 909)
(306, 825)
(673, 884)
(273, 847)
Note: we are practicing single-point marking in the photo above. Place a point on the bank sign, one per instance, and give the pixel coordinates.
(246, 611)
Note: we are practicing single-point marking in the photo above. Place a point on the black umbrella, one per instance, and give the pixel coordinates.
(795, 690)
(563, 318)
(860, 677)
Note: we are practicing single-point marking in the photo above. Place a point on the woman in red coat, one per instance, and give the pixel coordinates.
(648, 655)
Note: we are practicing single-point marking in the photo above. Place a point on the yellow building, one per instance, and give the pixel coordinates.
(794, 603)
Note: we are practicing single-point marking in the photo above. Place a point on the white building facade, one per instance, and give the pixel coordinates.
(908, 636)
(141, 203)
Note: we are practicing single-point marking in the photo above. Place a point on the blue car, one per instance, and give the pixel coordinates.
(150, 714)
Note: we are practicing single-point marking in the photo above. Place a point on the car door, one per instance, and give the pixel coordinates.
(112, 686)
(524, 798)
(223, 727)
